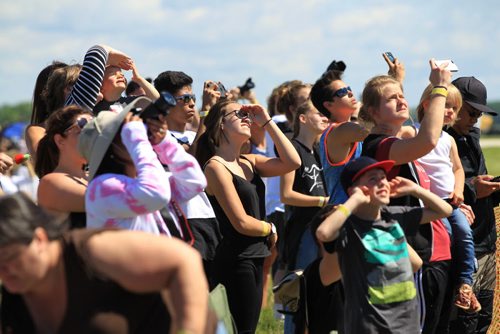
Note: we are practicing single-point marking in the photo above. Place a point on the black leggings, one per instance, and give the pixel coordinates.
(243, 281)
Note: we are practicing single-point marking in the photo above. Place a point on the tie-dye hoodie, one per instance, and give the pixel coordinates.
(133, 203)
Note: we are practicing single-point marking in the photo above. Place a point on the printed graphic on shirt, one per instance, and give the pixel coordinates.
(388, 252)
(313, 172)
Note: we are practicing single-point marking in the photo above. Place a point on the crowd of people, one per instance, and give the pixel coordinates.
(146, 203)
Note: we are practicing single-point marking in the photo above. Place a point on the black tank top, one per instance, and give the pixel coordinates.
(94, 304)
(252, 195)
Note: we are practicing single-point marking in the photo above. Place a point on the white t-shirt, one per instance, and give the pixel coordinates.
(198, 206)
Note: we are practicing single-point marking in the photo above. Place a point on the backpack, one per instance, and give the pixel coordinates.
(291, 292)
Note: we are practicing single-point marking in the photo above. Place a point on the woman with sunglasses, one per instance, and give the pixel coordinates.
(60, 166)
(236, 191)
(341, 141)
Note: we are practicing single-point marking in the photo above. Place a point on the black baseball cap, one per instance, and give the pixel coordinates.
(474, 93)
(356, 168)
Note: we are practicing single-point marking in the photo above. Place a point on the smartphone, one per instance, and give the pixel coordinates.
(495, 179)
(452, 67)
(390, 56)
(220, 87)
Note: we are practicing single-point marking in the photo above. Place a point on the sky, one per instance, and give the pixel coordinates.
(270, 41)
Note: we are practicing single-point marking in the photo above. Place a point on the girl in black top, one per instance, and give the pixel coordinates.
(303, 190)
(236, 192)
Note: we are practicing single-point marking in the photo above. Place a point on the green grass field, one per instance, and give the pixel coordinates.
(492, 156)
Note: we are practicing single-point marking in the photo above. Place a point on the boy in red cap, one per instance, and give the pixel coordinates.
(369, 238)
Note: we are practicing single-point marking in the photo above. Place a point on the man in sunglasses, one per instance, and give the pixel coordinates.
(482, 195)
(199, 213)
(341, 141)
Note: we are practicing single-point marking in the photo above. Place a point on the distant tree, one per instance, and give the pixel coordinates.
(20, 112)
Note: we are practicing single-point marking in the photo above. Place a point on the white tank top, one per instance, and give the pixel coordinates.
(437, 164)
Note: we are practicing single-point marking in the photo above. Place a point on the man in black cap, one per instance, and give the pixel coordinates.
(481, 194)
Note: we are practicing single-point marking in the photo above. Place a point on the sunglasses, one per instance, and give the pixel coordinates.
(80, 123)
(241, 114)
(340, 93)
(186, 98)
(474, 113)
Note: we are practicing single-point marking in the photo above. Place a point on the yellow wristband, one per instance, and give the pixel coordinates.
(204, 113)
(267, 229)
(342, 208)
(321, 201)
(439, 91)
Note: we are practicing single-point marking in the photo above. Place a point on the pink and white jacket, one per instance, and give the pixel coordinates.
(133, 203)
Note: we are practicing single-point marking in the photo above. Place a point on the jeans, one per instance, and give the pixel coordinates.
(462, 247)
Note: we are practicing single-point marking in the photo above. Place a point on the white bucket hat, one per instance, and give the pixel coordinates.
(98, 134)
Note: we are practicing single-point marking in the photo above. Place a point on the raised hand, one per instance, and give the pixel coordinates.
(401, 187)
(439, 75)
(157, 129)
(119, 59)
(396, 69)
(257, 113)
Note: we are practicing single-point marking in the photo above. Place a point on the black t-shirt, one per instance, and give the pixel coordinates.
(308, 180)
(474, 164)
(106, 105)
(234, 244)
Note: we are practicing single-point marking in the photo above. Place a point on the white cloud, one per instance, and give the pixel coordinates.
(269, 40)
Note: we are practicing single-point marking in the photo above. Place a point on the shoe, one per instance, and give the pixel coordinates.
(475, 306)
(463, 297)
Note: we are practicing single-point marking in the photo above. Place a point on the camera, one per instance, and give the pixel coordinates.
(246, 86)
(339, 66)
(161, 106)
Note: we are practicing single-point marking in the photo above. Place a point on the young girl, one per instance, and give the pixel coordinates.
(63, 181)
(236, 191)
(68, 85)
(385, 106)
(444, 168)
(303, 191)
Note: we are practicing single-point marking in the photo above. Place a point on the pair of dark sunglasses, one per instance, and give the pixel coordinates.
(80, 123)
(340, 93)
(186, 98)
(473, 113)
(241, 114)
